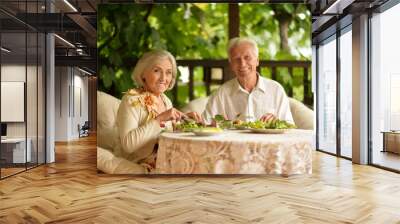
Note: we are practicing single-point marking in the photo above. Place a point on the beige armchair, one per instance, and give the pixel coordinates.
(107, 134)
(107, 109)
(302, 115)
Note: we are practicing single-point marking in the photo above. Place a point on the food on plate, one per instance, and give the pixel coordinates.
(223, 123)
(271, 124)
(219, 117)
(187, 126)
(192, 126)
(237, 122)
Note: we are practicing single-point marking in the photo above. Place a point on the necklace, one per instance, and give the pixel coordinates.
(161, 107)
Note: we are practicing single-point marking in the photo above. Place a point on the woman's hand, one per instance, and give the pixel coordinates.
(168, 115)
(195, 116)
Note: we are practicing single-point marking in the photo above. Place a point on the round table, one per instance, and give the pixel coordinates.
(236, 152)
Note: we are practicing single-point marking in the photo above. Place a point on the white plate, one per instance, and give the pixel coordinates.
(269, 131)
(206, 133)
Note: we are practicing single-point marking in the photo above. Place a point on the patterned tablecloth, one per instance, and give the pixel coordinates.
(236, 152)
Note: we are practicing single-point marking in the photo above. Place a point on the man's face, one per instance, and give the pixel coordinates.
(243, 60)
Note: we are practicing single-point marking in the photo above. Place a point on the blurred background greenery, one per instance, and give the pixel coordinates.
(199, 31)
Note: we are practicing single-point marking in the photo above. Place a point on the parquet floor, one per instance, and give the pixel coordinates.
(387, 159)
(71, 191)
(9, 171)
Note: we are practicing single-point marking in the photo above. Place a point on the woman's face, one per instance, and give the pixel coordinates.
(157, 78)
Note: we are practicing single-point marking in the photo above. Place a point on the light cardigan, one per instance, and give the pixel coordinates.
(137, 129)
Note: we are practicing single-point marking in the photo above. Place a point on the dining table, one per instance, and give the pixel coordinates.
(236, 152)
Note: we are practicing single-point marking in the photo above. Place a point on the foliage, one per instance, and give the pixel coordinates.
(125, 32)
(193, 31)
(261, 21)
(263, 24)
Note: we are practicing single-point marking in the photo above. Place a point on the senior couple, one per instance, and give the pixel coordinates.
(144, 111)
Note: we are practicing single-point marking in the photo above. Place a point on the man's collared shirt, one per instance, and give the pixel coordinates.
(234, 102)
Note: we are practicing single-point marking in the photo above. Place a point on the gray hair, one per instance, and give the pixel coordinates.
(234, 42)
(149, 59)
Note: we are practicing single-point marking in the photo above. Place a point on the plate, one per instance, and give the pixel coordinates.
(268, 131)
(207, 133)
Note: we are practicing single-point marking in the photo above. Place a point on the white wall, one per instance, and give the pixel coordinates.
(12, 73)
(61, 103)
(34, 125)
(80, 110)
(71, 87)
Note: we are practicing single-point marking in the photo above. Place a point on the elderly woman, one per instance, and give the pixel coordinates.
(144, 111)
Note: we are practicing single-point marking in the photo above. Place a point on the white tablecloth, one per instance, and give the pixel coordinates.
(236, 152)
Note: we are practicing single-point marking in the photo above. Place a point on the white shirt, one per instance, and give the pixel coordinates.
(234, 102)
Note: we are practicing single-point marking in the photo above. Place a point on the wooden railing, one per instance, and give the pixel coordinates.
(273, 66)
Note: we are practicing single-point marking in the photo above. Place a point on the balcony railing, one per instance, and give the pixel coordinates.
(211, 76)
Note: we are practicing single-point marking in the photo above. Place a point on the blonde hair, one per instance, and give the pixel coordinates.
(240, 40)
(149, 59)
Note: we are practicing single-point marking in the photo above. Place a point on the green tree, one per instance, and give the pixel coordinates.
(282, 32)
(125, 32)
(194, 31)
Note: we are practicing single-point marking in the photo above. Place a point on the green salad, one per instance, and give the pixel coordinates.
(223, 123)
(271, 124)
(188, 126)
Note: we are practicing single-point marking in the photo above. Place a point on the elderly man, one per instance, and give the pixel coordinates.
(249, 96)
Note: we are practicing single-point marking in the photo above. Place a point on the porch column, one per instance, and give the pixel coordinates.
(233, 32)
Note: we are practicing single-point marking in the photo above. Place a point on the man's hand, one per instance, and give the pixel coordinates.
(267, 117)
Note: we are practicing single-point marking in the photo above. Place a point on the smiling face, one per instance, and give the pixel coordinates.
(243, 60)
(157, 78)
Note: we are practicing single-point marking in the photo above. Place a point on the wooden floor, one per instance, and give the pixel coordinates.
(5, 172)
(71, 191)
(387, 159)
